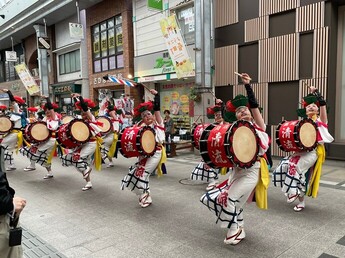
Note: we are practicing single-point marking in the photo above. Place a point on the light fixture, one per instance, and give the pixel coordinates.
(129, 76)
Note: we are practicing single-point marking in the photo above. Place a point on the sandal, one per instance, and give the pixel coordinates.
(298, 208)
(236, 238)
(292, 198)
(85, 188)
(48, 176)
(29, 169)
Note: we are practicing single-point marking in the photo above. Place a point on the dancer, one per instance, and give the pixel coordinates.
(202, 171)
(80, 157)
(109, 149)
(138, 178)
(13, 140)
(228, 199)
(42, 152)
(299, 174)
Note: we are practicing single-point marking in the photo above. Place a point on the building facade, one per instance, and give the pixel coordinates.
(284, 45)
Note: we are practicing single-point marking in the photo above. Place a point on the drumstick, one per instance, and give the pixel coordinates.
(306, 84)
(197, 119)
(240, 75)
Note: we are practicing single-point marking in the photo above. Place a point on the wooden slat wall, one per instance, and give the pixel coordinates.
(278, 59)
(310, 17)
(256, 29)
(275, 151)
(261, 94)
(267, 7)
(319, 83)
(320, 52)
(226, 63)
(226, 12)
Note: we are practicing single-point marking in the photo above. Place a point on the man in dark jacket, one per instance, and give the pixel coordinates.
(10, 209)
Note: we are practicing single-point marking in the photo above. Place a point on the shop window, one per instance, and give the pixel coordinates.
(107, 45)
(185, 17)
(69, 62)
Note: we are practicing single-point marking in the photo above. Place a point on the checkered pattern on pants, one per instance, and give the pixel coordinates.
(204, 173)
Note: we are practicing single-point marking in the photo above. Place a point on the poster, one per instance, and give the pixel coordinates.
(26, 78)
(175, 98)
(176, 46)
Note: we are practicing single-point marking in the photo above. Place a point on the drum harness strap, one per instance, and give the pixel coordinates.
(262, 185)
(162, 160)
(315, 179)
(98, 155)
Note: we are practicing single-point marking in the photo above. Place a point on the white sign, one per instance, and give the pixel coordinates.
(44, 43)
(76, 30)
(11, 56)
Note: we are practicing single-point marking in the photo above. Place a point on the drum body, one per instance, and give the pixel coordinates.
(37, 132)
(212, 146)
(67, 119)
(73, 134)
(106, 126)
(196, 133)
(137, 141)
(229, 145)
(6, 125)
(297, 135)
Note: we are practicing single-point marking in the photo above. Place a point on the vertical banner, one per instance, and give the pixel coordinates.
(155, 4)
(176, 47)
(26, 78)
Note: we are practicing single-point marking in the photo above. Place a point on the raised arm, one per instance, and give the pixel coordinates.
(83, 105)
(253, 103)
(13, 100)
(157, 107)
(322, 103)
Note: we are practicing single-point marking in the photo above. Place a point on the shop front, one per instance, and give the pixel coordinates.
(175, 98)
(62, 95)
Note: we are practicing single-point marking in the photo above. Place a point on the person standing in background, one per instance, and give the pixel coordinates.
(169, 129)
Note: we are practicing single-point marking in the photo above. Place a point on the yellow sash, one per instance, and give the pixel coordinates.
(163, 160)
(223, 171)
(112, 148)
(315, 179)
(50, 157)
(262, 185)
(20, 139)
(98, 156)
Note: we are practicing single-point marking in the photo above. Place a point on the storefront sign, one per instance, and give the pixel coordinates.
(155, 4)
(99, 80)
(63, 89)
(76, 30)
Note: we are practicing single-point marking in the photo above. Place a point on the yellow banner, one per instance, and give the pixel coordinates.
(176, 47)
(26, 78)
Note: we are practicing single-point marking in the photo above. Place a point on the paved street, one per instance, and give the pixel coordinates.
(108, 222)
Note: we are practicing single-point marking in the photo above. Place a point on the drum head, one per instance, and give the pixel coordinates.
(5, 124)
(80, 131)
(244, 144)
(39, 132)
(106, 124)
(308, 135)
(148, 141)
(67, 119)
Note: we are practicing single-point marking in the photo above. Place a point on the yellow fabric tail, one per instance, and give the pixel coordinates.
(19, 141)
(112, 148)
(98, 156)
(223, 171)
(163, 160)
(262, 186)
(50, 157)
(315, 179)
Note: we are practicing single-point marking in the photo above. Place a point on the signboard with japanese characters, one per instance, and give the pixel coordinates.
(76, 30)
(176, 47)
(27, 79)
